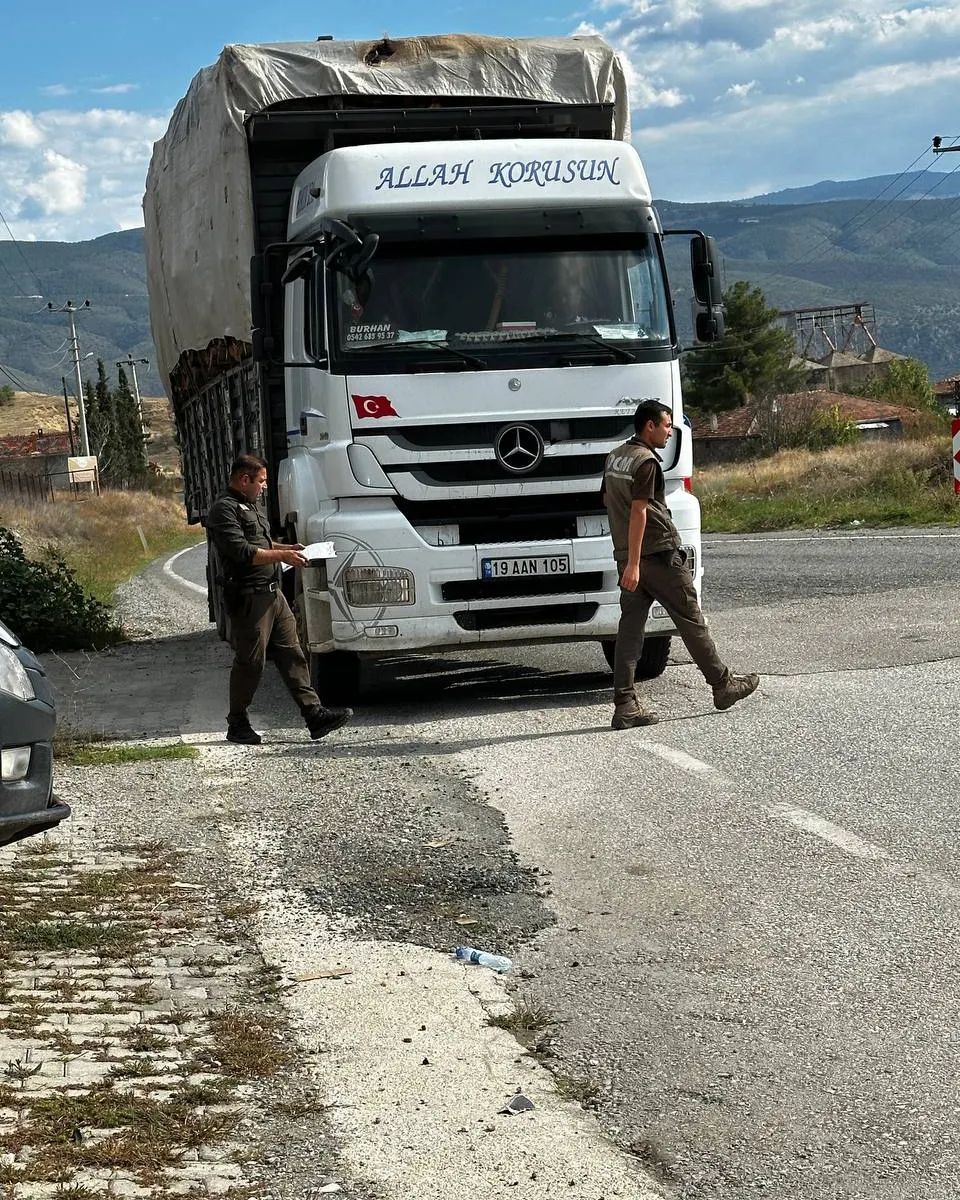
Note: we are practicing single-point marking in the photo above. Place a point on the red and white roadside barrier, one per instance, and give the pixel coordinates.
(955, 427)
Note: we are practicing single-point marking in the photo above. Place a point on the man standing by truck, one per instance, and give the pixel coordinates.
(259, 615)
(653, 566)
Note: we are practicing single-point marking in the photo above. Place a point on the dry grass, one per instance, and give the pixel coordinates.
(98, 536)
(246, 1046)
(526, 1021)
(29, 412)
(875, 483)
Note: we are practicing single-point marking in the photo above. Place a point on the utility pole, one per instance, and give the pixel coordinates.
(940, 148)
(71, 310)
(132, 362)
(66, 408)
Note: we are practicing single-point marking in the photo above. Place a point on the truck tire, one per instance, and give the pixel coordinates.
(337, 677)
(653, 657)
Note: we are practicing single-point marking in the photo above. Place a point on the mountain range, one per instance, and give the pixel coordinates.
(828, 244)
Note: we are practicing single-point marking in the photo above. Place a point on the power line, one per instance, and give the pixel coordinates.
(827, 240)
(30, 270)
(933, 188)
(17, 283)
(17, 383)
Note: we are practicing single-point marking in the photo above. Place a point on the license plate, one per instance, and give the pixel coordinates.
(520, 568)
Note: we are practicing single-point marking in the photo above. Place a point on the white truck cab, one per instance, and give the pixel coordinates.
(469, 377)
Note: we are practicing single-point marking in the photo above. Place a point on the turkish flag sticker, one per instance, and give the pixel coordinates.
(374, 406)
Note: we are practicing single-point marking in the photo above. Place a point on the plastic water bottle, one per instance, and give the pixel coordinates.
(496, 962)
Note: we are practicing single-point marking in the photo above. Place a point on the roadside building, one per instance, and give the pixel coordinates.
(946, 392)
(742, 433)
(33, 465)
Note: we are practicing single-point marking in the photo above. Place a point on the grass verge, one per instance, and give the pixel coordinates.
(907, 482)
(168, 1092)
(84, 752)
(99, 536)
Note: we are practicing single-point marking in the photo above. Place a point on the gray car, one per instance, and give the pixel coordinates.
(28, 720)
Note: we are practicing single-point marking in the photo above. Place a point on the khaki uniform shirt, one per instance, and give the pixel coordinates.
(633, 472)
(237, 529)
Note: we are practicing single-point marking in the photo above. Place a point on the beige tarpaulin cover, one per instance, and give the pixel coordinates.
(198, 202)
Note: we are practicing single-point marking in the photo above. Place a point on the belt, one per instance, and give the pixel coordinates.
(257, 589)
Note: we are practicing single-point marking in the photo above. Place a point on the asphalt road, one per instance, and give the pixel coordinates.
(753, 966)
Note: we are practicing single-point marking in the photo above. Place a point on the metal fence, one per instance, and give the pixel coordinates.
(20, 485)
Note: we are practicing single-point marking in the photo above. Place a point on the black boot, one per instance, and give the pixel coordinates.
(242, 732)
(321, 721)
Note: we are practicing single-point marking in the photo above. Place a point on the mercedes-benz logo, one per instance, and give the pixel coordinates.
(519, 449)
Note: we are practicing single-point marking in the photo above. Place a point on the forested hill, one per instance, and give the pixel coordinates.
(902, 256)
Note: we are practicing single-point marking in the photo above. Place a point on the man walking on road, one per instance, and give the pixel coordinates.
(260, 617)
(653, 566)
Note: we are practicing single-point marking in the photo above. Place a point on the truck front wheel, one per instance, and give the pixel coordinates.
(337, 677)
(653, 657)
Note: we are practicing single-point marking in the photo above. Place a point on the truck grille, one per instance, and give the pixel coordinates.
(488, 521)
(511, 618)
(455, 474)
(502, 589)
(426, 460)
(472, 436)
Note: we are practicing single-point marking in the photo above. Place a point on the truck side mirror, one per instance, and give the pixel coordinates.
(270, 270)
(707, 291)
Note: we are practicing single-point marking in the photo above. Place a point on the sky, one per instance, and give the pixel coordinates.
(729, 98)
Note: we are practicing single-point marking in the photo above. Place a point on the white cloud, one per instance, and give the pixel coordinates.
(115, 89)
(752, 93)
(57, 89)
(75, 174)
(18, 129)
(61, 185)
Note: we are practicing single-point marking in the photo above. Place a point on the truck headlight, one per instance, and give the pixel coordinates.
(376, 587)
(13, 678)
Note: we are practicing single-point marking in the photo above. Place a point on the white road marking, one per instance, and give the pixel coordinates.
(836, 835)
(836, 537)
(679, 758)
(168, 570)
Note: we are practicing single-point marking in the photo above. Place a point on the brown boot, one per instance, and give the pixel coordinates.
(734, 688)
(632, 718)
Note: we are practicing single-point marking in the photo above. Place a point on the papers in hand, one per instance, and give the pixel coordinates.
(318, 550)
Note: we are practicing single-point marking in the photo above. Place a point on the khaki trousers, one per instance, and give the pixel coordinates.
(664, 577)
(259, 622)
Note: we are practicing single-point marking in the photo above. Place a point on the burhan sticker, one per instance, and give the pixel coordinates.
(370, 333)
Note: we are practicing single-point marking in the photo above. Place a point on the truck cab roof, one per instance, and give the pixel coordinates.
(444, 177)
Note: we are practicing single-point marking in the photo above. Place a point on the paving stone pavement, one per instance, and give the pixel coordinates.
(118, 1000)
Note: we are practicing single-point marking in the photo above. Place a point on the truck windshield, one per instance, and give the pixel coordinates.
(476, 297)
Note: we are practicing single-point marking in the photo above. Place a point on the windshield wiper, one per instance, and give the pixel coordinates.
(621, 353)
(429, 344)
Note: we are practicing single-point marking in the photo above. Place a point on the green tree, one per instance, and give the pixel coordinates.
(905, 382)
(130, 442)
(102, 428)
(752, 361)
(6, 394)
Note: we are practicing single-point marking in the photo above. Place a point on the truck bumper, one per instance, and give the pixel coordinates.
(450, 603)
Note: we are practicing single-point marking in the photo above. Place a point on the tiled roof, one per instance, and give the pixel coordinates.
(740, 422)
(20, 445)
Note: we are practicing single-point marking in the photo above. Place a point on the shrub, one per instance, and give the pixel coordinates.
(830, 428)
(45, 605)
